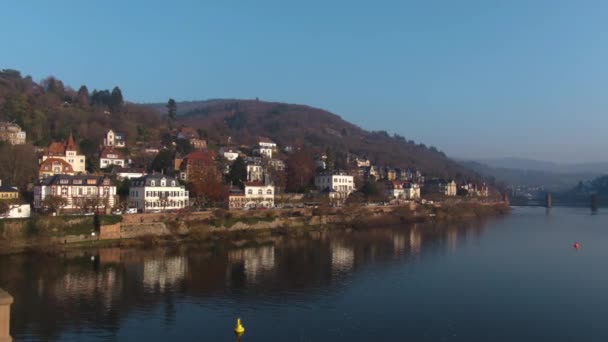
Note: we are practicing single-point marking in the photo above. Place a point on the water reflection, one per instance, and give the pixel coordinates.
(78, 293)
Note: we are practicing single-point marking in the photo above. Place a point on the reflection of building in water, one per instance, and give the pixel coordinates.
(88, 285)
(452, 238)
(415, 240)
(163, 272)
(399, 243)
(256, 260)
(342, 257)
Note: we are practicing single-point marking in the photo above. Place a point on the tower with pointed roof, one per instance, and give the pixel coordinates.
(67, 151)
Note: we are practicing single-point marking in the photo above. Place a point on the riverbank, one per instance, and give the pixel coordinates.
(55, 234)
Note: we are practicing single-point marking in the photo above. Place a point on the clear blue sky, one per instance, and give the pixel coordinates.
(475, 78)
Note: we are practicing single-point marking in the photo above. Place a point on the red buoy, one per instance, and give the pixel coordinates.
(577, 245)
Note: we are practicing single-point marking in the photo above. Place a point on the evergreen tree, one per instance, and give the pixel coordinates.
(238, 172)
(171, 111)
(116, 100)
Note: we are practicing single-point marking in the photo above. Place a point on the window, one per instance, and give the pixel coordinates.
(249, 192)
(260, 192)
(152, 183)
(269, 192)
(172, 183)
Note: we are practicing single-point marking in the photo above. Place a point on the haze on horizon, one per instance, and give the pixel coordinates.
(474, 78)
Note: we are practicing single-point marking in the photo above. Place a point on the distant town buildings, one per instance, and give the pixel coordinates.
(12, 133)
(154, 193)
(440, 186)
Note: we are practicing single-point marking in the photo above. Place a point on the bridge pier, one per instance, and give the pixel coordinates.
(5, 316)
(594, 202)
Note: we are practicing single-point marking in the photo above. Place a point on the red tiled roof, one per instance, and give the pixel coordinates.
(47, 165)
(265, 140)
(110, 150)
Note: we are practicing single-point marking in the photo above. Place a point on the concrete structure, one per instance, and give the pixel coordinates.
(82, 193)
(12, 133)
(110, 156)
(338, 185)
(5, 316)
(67, 151)
(157, 193)
(114, 139)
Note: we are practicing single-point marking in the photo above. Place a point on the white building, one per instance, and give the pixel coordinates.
(229, 154)
(12, 133)
(255, 172)
(114, 139)
(157, 193)
(403, 190)
(82, 193)
(109, 156)
(130, 173)
(255, 195)
(339, 185)
(266, 147)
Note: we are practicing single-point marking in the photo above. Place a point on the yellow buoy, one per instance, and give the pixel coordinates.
(239, 329)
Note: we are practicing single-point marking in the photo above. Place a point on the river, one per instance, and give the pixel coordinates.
(515, 278)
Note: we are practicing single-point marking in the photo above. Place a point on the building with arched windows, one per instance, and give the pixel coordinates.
(255, 195)
(154, 193)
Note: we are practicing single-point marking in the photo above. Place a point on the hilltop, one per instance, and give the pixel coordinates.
(301, 126)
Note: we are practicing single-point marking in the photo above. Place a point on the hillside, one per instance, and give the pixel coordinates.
(312, 128)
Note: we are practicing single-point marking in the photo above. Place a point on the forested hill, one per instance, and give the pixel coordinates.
(313, 128)
(49, 110)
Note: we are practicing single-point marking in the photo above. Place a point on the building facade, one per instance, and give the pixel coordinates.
(81, 193)
(12, 133)
(67, 151)
(255, 195)
(339, 185)
(110, 156)
(114, 139)
(154, 193)
(54, 166)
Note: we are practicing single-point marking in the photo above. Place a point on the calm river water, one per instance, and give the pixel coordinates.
(516, 278)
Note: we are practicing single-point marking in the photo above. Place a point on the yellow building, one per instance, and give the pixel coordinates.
(8, 192)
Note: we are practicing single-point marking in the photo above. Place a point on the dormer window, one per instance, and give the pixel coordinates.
(152, 183)
(163, 182)
(172, 183)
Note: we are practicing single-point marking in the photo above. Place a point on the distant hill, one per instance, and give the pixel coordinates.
(303, 126)
(554, 181)
(595, 168)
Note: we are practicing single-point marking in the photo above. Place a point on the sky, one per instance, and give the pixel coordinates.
(476, 79)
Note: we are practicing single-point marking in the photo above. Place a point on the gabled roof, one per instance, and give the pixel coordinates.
(74, 180)
(265, 140)
(110, 150)
(8, 188)
(147, 180)
(47, 165)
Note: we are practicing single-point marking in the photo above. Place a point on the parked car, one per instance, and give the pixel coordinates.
(131, 211)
